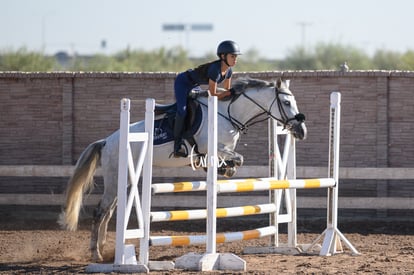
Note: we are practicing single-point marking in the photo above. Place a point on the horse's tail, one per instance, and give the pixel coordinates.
(79, 183)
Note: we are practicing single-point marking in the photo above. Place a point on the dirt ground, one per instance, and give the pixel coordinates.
(37, 246)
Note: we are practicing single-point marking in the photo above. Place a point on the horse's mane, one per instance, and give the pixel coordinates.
(241, 84)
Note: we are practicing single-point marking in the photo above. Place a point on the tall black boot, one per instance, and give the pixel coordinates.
(180, 150)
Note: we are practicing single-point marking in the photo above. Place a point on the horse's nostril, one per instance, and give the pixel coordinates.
(300, 117)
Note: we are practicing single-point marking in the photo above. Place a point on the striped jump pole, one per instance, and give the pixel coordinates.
(199, 214)
(243, 185)
(220, 238)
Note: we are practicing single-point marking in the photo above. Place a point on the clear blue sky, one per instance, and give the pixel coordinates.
(272, 27)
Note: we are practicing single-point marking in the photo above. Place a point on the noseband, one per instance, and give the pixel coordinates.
(284, 120)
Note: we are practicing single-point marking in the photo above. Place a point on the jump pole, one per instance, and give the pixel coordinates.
(211, 260)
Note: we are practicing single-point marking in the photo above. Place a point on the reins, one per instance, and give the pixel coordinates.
(243, 127)
(284, 120)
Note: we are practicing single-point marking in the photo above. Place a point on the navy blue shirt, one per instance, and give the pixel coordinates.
(203, 73)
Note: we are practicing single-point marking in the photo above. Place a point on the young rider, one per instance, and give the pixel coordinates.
(211, 74)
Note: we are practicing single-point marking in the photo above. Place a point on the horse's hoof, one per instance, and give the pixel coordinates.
(238, 161)
(234, 163)
(230, 172)
(227, 172)
(221, 171)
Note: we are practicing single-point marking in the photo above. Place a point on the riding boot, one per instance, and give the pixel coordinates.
(179, 147)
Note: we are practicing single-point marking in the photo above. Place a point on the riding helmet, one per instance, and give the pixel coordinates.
(227, 47)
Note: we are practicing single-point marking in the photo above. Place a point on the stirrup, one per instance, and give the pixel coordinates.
(180, 152)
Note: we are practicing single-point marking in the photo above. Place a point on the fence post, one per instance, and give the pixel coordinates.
(147, 182)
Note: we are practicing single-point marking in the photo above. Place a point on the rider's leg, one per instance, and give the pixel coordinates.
(181, 89)
(179, 151)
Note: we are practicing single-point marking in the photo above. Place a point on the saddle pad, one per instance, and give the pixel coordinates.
(163, 131)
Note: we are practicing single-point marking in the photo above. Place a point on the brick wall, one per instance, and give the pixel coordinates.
(49, 118)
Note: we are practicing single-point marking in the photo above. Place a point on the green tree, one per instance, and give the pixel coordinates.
(324, 56)
(387, 60)
(23, 60)
(298, 59)
(331, 56)
(252, 61)
(407, 61)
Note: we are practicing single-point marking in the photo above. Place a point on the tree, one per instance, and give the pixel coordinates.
(407, 60)
(324, 56)
(298, 59)
(23, 60)
(387, 60)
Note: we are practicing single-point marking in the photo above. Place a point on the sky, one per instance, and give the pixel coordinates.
(271, 27)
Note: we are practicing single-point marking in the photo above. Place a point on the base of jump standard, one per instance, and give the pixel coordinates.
(210, 261)
(131, 265)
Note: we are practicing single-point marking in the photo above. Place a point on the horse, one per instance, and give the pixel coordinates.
(253, 99)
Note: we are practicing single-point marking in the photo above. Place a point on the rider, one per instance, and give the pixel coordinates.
(210, 74)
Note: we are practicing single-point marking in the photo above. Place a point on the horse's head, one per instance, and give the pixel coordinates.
(272, 99)
(285, 110)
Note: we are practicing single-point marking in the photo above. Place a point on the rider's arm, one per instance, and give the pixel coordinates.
(212, 88)
(227, 83)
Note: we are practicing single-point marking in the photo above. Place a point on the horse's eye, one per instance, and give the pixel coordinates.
(287, 102)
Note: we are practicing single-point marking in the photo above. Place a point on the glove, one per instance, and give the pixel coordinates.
(232, 91)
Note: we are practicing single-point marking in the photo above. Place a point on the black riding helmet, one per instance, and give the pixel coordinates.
(227, 47)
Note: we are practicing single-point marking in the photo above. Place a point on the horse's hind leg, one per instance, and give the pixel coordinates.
(102, 215)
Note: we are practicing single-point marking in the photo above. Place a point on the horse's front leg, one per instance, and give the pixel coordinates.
(228, 162)
(230, 158)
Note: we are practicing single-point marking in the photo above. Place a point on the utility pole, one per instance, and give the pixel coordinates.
(43, 30)
(303, 26)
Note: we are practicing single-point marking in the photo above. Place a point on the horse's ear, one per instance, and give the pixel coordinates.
(287, 82)
(279, 83)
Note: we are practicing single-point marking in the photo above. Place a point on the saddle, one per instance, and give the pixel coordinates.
(161, 109)
(165, 119)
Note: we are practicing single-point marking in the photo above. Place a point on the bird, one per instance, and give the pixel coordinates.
(344, 67)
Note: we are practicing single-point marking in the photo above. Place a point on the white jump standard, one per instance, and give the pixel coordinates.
(125, 259)
(286, 167)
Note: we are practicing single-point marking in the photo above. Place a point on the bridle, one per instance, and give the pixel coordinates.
(284, 120)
